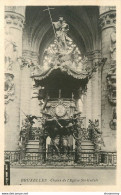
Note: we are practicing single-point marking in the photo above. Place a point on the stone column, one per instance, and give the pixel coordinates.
(108, 41)
(29, 94)
(89, 103)
(26, 84)
(14, 21)
(96, 90)
(35, 106)
(87, 99)
(31, 58)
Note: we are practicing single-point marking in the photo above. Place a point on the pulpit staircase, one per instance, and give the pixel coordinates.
(32, 152)
(34, 156)
(87, 152)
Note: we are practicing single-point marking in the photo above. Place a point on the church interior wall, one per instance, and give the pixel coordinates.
(37, 35)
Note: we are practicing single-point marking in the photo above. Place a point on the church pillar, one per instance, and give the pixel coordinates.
(26, 84)
(14, 21)
(96, 90)
(87, 99)
(35, 106)
(92, 98)
(30, 103)
(108, 42)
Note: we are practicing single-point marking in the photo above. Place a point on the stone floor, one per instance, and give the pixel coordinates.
(87, 176)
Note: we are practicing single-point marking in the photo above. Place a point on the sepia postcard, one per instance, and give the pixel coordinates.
(60, 95)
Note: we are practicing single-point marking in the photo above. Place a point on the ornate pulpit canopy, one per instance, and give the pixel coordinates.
(62, 59)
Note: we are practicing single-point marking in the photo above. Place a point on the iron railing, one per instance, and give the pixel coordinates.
(74, 159)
